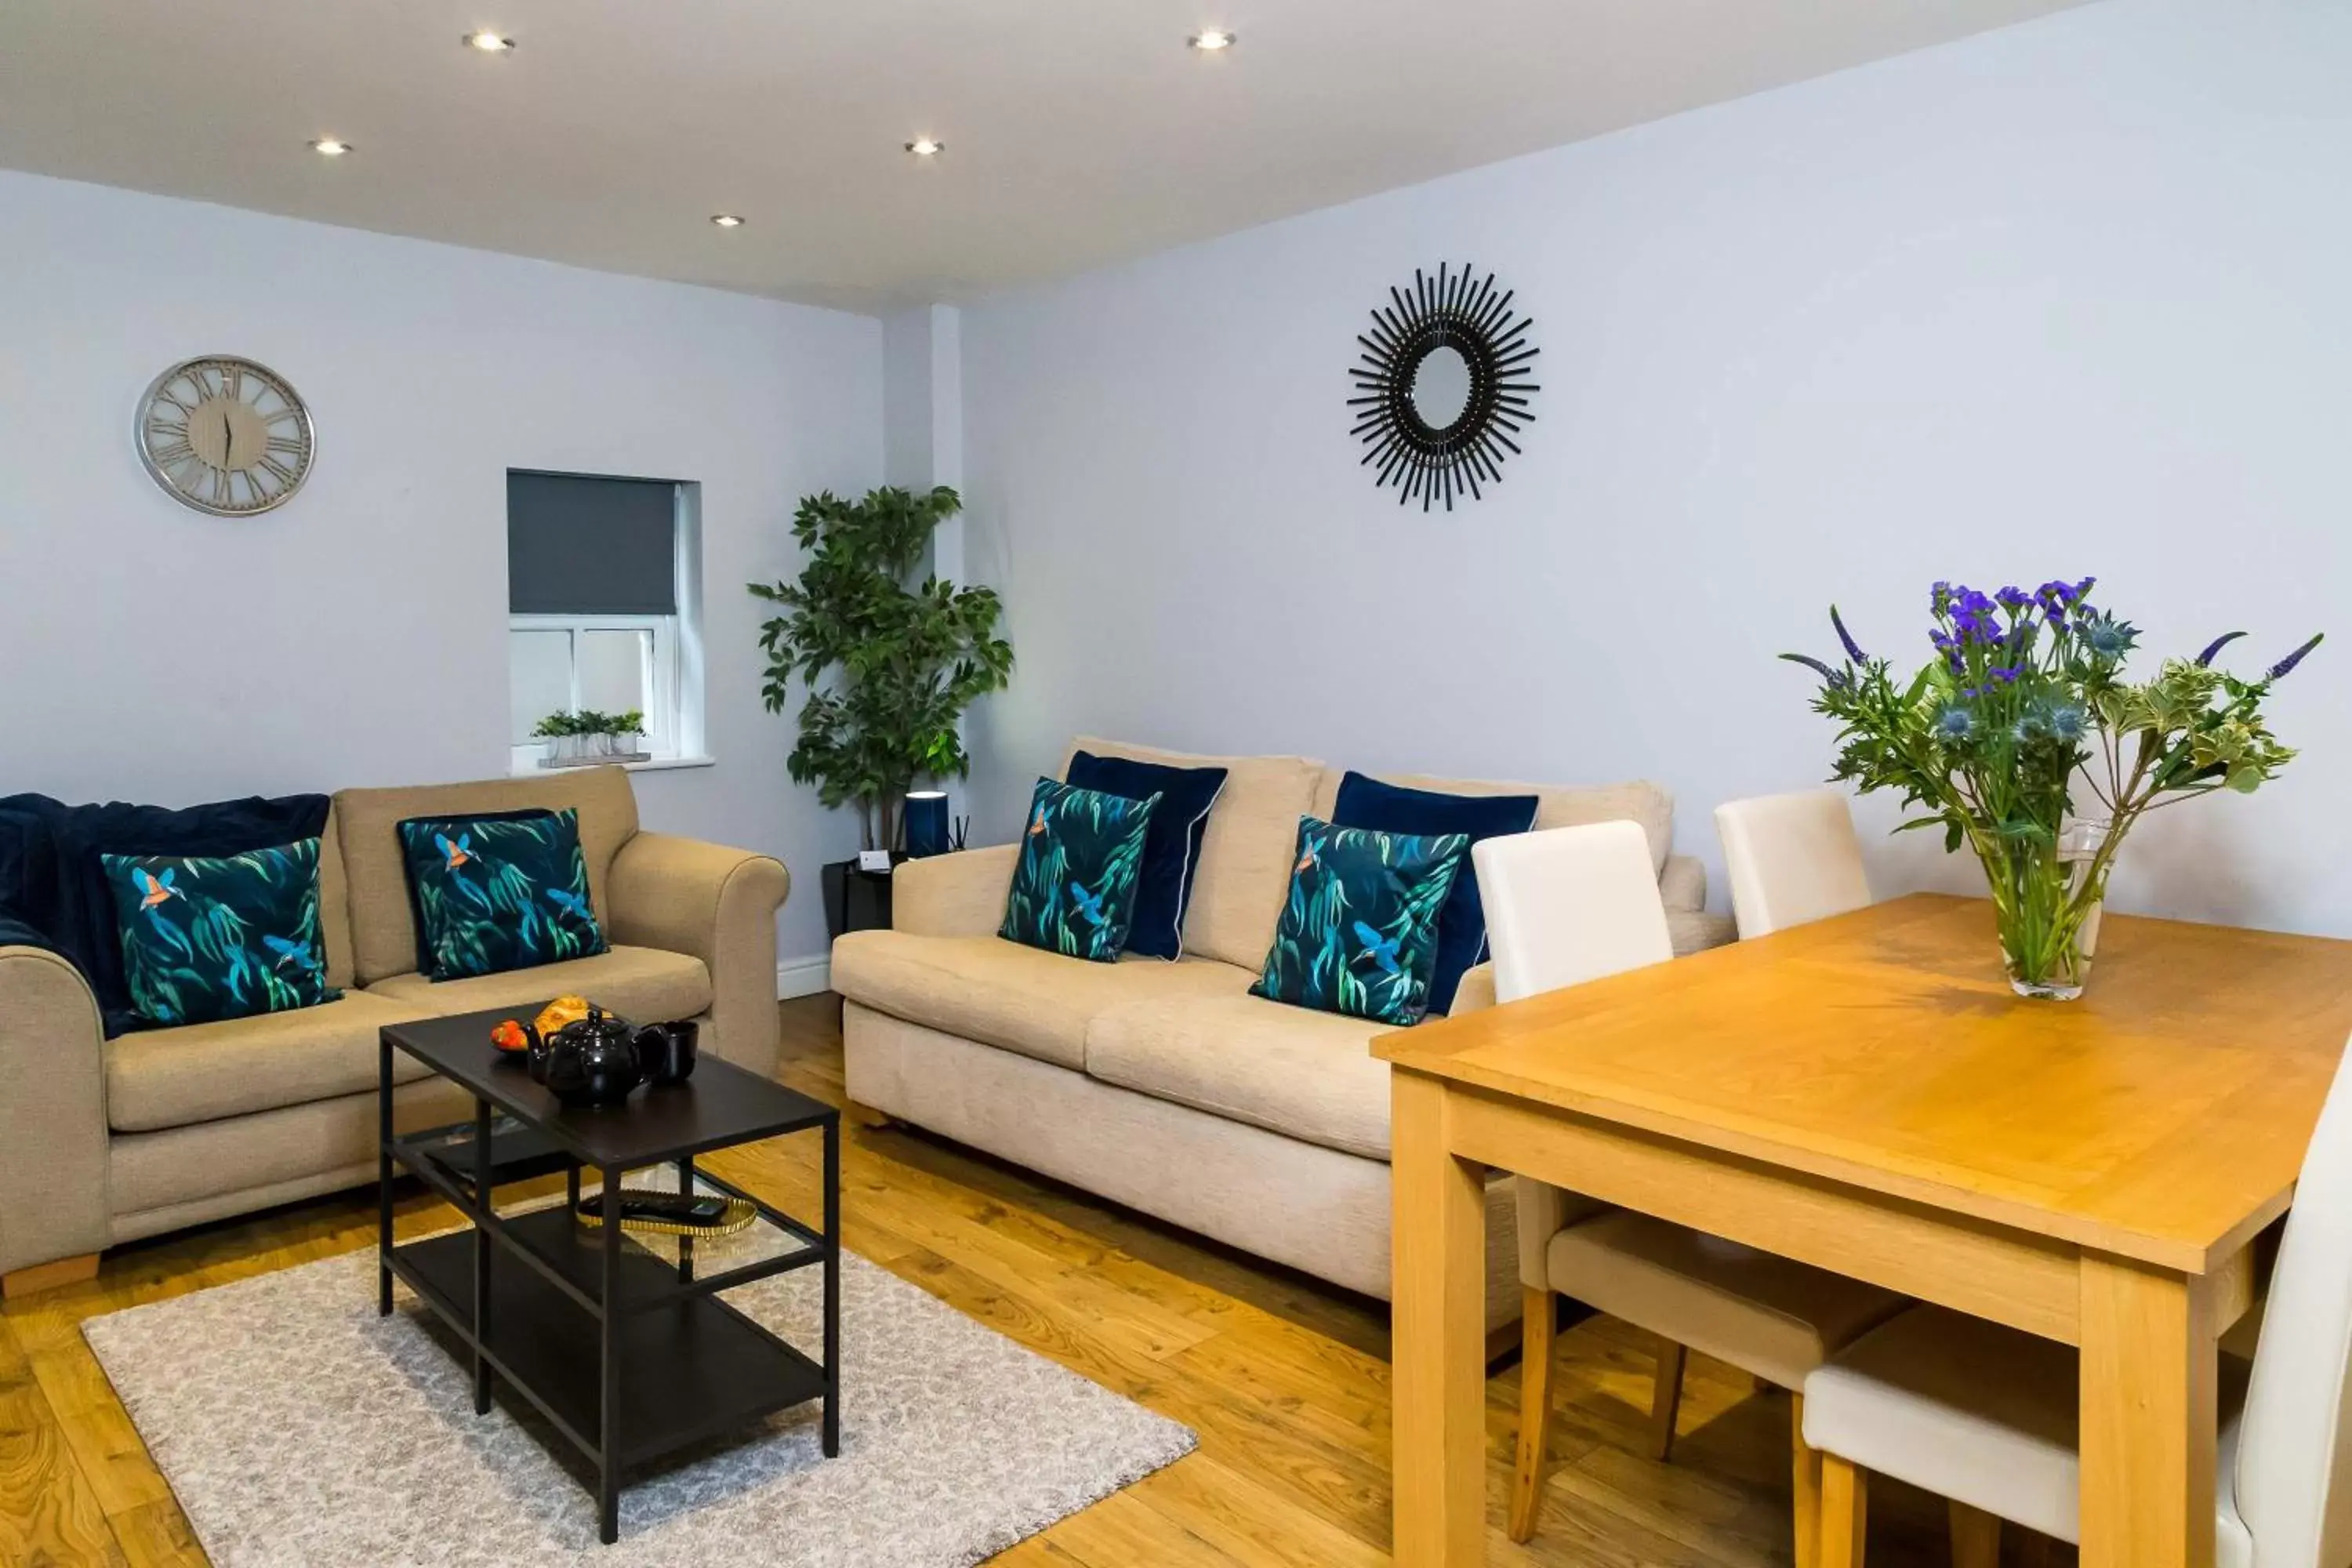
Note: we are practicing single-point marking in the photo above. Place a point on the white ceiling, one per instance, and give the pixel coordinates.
(1077, 131)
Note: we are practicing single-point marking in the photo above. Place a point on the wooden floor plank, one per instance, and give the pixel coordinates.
(49, 1514)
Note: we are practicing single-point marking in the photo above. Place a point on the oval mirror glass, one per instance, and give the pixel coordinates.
(1440, 388)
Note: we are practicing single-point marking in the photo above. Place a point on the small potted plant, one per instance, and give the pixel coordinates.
(588, 737)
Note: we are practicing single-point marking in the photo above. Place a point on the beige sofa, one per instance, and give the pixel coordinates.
(107, 1140)
(1166, 1087)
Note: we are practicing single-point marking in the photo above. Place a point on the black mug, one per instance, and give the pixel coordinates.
(666, 1051)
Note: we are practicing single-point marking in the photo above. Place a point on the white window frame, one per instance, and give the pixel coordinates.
(660, 680)
(674, 710)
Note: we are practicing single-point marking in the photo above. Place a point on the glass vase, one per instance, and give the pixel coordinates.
(2047, 896)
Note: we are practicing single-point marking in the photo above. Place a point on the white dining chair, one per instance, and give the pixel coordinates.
(1574, 904)
(1792, 859)
(1986, 1416)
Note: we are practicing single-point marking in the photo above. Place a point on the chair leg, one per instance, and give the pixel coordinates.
(1805, 1491)
(1537, 1321)
(1846, 1499)
(1666, 1399)
(1976, 1538)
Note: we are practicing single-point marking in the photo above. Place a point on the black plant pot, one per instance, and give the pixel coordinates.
(856, 899)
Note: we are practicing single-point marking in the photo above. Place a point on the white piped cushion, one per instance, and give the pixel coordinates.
(1986, 1416)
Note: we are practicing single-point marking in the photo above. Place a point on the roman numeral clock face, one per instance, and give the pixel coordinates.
(225, 437)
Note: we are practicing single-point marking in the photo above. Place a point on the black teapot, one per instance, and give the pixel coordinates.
(592, 1060)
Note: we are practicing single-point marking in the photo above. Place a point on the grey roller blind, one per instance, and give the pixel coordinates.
(579, 545)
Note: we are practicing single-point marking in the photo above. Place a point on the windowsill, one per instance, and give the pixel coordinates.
(650, 765)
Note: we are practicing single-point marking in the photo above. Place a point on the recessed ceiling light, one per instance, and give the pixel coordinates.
(489, 43)
(328, 147)
(1211, 41)
(926, 147)
(727, 220)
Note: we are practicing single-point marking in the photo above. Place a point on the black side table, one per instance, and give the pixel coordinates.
(629, 1353)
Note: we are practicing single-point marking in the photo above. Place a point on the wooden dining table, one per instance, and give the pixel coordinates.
(1867, 1094)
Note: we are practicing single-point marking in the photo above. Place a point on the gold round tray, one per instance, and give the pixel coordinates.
(738, 1216)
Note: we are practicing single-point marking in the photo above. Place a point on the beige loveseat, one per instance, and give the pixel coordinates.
(107, 1140)
(1166, 1087)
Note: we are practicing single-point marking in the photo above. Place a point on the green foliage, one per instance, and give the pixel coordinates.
(887, 669)
(2026, 699)
(588, 721)
(1074, 883)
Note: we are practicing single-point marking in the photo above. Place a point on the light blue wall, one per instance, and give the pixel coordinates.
(2073, 297)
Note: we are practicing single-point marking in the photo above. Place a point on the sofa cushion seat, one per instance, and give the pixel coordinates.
(643, 984)
(1014, 998)
(158, 1078)
(1308, 1075)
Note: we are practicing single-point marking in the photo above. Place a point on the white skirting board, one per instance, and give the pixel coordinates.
(802, 977)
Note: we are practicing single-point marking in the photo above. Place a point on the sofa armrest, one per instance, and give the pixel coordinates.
(1682, 885)
(961, 894)
(1695, 930)
(719, 905)
(1476, 990)
(53, 1156)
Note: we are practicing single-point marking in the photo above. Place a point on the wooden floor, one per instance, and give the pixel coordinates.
(1285, 1379)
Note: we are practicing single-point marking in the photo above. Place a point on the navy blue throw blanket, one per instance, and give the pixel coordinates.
(51, 881)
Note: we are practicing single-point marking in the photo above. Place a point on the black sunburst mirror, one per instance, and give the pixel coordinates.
(1443, 387)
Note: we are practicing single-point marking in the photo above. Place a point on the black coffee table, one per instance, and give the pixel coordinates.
(614, 1338)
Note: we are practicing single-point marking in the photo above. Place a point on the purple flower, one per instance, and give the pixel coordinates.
(2006, 674)
(2082, 588)
(2055, 594)
(2205, 659)
(2014, 598)
(1938, 596)
(1836, 679)
(2286, 665)
(1852, 649)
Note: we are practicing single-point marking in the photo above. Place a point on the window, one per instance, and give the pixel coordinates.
(603, 580)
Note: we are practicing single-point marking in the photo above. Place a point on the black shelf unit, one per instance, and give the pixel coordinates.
(629, 1355)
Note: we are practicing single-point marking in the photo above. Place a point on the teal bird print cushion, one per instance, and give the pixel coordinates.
(210, 937)
(1359, 931)
(1081, 864)
(499, 892)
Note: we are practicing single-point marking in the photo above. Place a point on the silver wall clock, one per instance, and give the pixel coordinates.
(226, 436)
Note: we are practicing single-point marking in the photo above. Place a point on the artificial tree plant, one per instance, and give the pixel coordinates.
(889, 665)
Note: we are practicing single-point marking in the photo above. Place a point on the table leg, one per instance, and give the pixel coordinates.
(1438, 1330)
(608, 1429)
(481, 1255)
(832, 1266)
(2149, 1418)
(686, 1243)
(383, 1177)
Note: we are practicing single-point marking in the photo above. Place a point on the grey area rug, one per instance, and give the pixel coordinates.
(298, 1429)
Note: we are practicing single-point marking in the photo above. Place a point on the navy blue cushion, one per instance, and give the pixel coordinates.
(51, 879)
(1171, 848)
(1392, 808)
